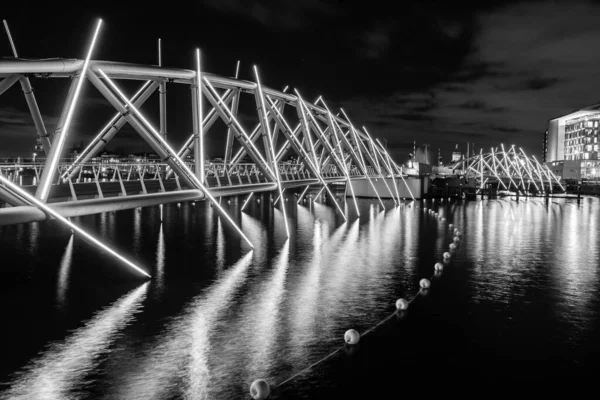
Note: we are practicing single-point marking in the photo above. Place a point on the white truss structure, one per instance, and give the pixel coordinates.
(328, 148)
(510, 170)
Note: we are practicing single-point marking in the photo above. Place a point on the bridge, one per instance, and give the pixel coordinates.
(327, 147)
(509, 170)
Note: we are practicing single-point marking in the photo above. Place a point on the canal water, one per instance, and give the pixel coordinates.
(518, 300)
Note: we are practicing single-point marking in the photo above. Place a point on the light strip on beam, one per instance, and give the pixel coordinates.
(102, 133)
(302, 150)
(278, 197)
(201, 128)
(387, 161)
(65, 129)
(65, 221)
(238, 126)
(307, 129)
(161, 140)
(551, 173)
(303, 193)
(247, 199)
(267, 127)
(320, 191)
(507, 170)
(379, 166)
(529, 163)
(349, 181)
(356, 139)
(336, 203)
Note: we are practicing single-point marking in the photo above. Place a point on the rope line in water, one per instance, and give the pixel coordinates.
(264, 388)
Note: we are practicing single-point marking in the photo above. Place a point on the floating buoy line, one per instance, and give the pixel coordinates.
(260, 389)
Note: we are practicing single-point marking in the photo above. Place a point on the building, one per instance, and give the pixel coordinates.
(571, 145)
(456, 156)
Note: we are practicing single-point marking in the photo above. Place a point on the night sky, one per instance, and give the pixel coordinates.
(440, 74)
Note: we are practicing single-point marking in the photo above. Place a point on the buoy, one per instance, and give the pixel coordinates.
(443, 219)
(450, 226)
(351, 336)
(260, 389)
(401, 304)
(228, 201)
(457, 233)
(424, 283)
(456, 239)
(258, 200)
(446, 254)
(438, 266)
(452, 246)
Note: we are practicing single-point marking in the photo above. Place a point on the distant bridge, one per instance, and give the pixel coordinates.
(507, 170)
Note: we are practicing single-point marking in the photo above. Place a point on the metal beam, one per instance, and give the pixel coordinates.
(62, 129)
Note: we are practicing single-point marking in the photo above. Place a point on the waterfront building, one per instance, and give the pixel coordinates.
(571, 145)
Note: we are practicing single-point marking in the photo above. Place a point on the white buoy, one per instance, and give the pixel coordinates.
(450, 226)
(452, 246)
(438, 266)
(260, 389)
(401, 304)
(351, 336)
(228, 201)
(424, 283)
(443, 219)
(446, 254)
(456, 239)
(457, 233)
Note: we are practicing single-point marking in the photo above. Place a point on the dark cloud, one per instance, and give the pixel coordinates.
(285, 15)
(479, 105)
(540, 83)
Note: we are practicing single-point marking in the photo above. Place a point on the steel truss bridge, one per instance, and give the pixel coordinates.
(508, 170)
(328, 147)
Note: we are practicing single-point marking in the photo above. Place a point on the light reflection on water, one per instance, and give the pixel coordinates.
(279, 308)
(60, 372)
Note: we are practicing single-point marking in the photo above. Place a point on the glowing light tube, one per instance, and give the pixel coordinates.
(238, 126)
(57, 147)
(320, 191)
(374, 150)
(364, 167)
(385, 157)
(278, 197)
(349, 181)
(303, 193)
(307, 129)
(65, 221)
(267, 128)
(200, 125)
(102, 133)
(530, 164)
(294, 139)
(158, 137)
(247, 200)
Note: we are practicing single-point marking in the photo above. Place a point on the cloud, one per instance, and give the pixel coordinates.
(285, 15)
(527, 64)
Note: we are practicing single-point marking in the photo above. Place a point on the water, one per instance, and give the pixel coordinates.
(522, 286)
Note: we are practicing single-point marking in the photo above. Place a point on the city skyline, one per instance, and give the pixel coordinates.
(468, 78)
